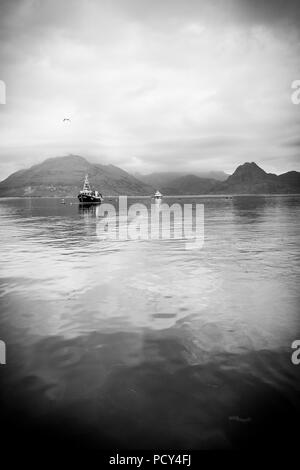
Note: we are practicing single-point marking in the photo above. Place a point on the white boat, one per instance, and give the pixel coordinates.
(157, 196)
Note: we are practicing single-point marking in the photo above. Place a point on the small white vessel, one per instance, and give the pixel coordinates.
(157, 196)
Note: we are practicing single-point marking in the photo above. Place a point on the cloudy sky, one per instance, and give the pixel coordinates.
(186, 85)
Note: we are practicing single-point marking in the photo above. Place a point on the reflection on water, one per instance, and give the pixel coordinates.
(143, 343)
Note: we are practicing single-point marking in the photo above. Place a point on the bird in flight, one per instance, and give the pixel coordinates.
(66, 120)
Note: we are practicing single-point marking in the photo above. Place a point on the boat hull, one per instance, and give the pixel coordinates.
(84, 198)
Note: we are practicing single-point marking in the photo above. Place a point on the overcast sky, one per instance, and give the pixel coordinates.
(150, 85)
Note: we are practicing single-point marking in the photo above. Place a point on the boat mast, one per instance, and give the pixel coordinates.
(86, 186)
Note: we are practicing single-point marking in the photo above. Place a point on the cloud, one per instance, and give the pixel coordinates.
(204, 84)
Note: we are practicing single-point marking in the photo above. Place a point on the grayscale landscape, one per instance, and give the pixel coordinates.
(150, 233)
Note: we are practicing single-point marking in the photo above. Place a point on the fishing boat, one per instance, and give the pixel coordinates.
(157, 196)
(87, 195)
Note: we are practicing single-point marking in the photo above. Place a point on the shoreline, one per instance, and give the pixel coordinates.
(178, 196)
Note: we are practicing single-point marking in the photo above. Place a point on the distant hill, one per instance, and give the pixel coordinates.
(291, 178)
(163, 179)
(249, 178)
(64, 176)
(189, 184)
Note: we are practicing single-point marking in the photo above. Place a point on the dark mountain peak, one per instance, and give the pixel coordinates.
(249, 168)
(246, 172)
(249, 178)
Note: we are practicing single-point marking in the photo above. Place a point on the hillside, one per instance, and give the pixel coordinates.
(249, 178)
(168, 179)
(64, 176)
(190, 184)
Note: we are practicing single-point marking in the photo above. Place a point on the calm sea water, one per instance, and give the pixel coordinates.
(144, 344)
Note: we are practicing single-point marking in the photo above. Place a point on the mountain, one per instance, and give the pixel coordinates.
(249, 178)
(291, 178)
(216, 175)
(158, 180)
(189, 184)
(64, 176)
(163, 179)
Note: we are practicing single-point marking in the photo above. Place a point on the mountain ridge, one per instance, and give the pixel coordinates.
(162, 179)
(249, 178)
(63, 177)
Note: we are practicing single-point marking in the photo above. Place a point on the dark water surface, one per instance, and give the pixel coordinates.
(144, 344)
